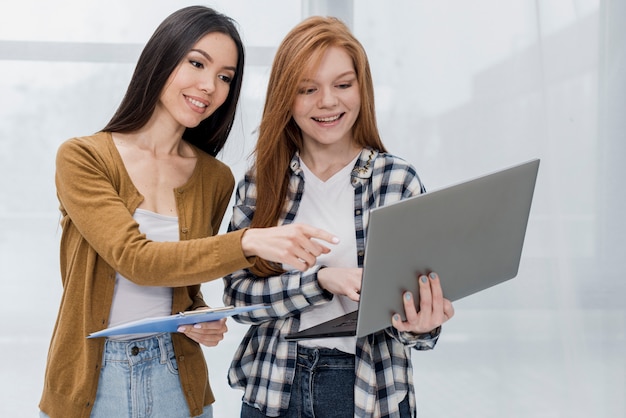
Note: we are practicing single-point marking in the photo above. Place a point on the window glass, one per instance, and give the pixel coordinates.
(123, 21)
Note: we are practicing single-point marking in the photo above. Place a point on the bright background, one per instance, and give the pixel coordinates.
(462, 88)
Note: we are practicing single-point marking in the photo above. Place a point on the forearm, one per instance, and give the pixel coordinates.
(285, 295)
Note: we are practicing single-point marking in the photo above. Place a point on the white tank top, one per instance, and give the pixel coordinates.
(131, 301)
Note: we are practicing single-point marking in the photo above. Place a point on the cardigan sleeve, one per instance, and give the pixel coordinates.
(86, 183)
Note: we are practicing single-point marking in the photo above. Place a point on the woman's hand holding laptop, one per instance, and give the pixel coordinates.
(433, 311)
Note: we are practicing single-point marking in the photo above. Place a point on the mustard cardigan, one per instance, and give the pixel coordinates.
(97, 199)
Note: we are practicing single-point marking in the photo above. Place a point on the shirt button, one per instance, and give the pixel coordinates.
(185, 230)
(358, 211)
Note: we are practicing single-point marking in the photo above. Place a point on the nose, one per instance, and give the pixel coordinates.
(207, 85)
(327, 97)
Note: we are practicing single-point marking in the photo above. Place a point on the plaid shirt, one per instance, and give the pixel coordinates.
(264, 364)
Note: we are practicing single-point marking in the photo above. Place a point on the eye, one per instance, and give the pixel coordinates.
(225, 78)
(344, 85)
(196, 64)
(307, 90)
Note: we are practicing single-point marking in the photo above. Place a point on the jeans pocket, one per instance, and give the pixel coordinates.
(172, 364)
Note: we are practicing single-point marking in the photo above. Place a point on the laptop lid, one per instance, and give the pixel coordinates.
(470, 233)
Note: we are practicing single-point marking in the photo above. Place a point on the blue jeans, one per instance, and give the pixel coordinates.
(139, 379)
(323, 387)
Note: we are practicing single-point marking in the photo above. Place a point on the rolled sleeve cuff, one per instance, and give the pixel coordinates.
(421, 341)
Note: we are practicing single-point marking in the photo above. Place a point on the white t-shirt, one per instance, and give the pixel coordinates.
(330, 205)
(131, 301)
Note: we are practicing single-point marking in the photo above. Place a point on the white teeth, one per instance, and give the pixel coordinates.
(329, 119)
(195, 102)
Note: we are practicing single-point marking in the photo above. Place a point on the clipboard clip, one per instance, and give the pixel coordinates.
(205, 310)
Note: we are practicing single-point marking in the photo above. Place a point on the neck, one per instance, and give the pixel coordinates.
(158, 139)
(324, 162)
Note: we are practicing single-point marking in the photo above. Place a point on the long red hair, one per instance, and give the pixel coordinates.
(298, 55)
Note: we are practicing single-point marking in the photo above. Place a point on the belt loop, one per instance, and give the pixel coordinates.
(315, 357)
(162, 347)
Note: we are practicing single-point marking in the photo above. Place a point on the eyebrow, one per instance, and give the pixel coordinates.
(210, 58)
(349, 72)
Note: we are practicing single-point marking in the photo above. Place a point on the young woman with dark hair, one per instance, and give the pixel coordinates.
(141, 203)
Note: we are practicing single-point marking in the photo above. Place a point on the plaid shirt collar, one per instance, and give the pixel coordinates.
(363, 168)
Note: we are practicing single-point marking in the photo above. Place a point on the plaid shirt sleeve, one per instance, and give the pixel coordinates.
(285, 295)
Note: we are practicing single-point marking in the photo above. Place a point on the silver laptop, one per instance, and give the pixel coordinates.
(470, 233)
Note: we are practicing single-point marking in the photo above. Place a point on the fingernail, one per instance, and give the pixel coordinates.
(335, 240)
(424, 279)
(396, 317)
(433, 275)
(197, 326)
(407, 295)
(181, 329)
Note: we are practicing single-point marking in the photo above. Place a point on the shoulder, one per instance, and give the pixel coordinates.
(387, 161)
(97, 148)
(247, 185)
(396, 173)
(387, 165)
(214, 168)
(97, 141)
(245, 202)
(246, 191)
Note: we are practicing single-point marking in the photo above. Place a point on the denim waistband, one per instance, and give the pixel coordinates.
(136, 351)
(320, 357)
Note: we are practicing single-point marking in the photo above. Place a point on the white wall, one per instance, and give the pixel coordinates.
(462, 88)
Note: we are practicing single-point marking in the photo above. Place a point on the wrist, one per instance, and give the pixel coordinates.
(412, 336)
(327, 294)
(247, 243)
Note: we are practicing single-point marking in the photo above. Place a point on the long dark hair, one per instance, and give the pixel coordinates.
(167, 47)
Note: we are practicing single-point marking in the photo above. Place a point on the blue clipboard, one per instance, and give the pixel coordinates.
(171, 323)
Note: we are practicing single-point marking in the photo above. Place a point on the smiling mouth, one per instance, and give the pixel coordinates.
(196, 102)
(329, 119)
